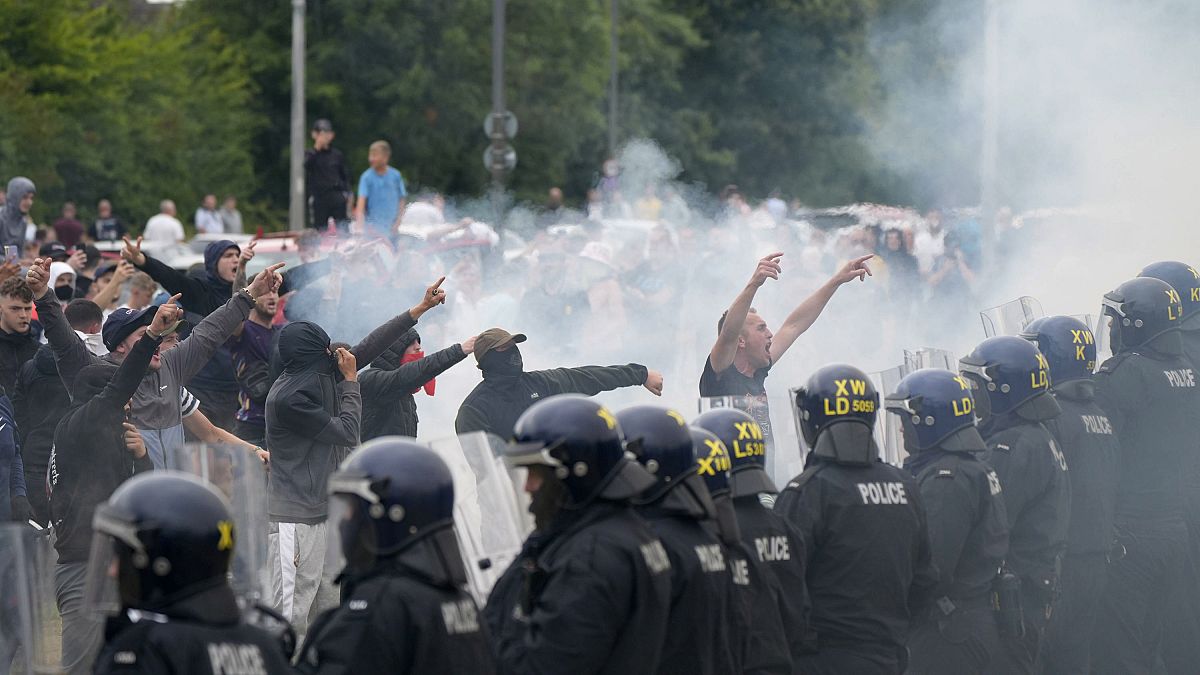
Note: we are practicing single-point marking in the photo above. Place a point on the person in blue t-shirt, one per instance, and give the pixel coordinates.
(381, 194)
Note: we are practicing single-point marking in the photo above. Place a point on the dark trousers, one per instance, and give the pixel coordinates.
(35, 489)
(325, 207)
(1181, 627)
(1067, 649)
(963, 643)
(829, 660)
(1129, 623)
(1020, 654)
(220, 407)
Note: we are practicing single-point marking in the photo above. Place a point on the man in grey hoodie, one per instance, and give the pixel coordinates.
(12, 215)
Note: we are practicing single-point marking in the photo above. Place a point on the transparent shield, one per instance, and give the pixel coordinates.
(30, 628)
(490, 510)
(242, 478)
(1011, 317)
(887, 428)
(1102, 330)
(928, 357)
(783, 460)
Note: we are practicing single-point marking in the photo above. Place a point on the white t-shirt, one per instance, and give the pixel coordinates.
(163, 228)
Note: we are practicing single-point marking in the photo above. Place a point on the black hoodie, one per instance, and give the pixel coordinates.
(389, 407)
(40, 401)
(15, 350)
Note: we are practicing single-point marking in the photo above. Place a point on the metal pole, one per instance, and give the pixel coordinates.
(296, 205)
(613, 71)
(989, 150)
(499, 106)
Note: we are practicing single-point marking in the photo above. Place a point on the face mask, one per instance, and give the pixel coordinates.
(64, 293)
(547, 501)
(94, 343)
(507, 362)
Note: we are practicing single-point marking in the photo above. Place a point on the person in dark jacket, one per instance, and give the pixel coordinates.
(326, 178)
(967, 523)
(1089, 444)
(870, 567)
(39, 402)
(313, 415)
(20, 336)
(590, 592)
(14, 500)
(507, 390)
(390, 384)
(202, 293)
(675, 508)
(403, 607)
(251, 347)
(95, 450)
(1011, 382)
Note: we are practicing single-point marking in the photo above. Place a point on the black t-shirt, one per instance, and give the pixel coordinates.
(731, 381)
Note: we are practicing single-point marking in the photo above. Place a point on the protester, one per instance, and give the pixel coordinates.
(107, 227)
(15, 212)
(141, 289)
(313, 419)
(251, 347)
(164, 228)
(14, 501)
(326, 178)
(63, 280)
(381, 194)
(231, 218)
(85, 275)
(67, 228)
(207, 219)
(19, 335)
(390, 383)
(507, 390)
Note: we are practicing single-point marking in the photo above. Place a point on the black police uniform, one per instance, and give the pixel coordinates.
(759, 640)
(201, 634)
(1033, 475)
(1151, 397)
(697, 640)
(398, 620)
(1089, 443)
(868, 562)
(779, 547)
(592, 596)
(968, 528)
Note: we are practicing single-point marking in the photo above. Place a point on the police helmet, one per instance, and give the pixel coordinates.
(1185, 279)
(835, 412)
(743, 438)
(582, 442)
(387, 495)
(170, 535)
(1068, 345)
(1009, 375)
(1139, 311)
(936, 410)
(660, 440)
(713, 466)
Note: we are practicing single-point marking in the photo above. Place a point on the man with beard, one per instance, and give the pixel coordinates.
(507, 390)
(590, 592)
(250, 348)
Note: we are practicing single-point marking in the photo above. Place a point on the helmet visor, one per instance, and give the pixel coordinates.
(348, 532)
(103, 584)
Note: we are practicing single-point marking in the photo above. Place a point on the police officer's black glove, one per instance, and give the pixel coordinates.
(532, 585)
(21, 510)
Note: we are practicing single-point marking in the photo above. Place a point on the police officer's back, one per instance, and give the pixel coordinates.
(770, 538)
(869, 565)
(757, 626)
(675, 508)
(171, 538)
(1150, 394)
(403, 606)
(967, 524)
(591, 591)
(1089, 444)
(1012, 383)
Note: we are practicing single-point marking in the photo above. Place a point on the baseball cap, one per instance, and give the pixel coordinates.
(494, 337)
(54, 250)
(106, 268)
(322, 125)
(122, 322)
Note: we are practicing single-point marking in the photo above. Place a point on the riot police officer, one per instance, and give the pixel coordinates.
(403, 608)
(170, 537)
(591, 590)
(1011, 382)
(1148, 388)
(1087, 440)
(967, 524)
(772, 540)
(758, 595)
(869, 564)
(674, 508)
(1181, 650)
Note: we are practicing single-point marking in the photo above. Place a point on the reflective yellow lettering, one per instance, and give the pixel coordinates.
(225, 527)
(1076, 337)
(1079, 353)
(859, 387)
(677, 417)
(962, 406)
(608, 418)
(962, 383)
(841, 388)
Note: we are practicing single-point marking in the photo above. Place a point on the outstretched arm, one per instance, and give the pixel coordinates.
(591, 380)
(70, 354)
(805, 315)
(721, 356)
(409, 376)
(386, 335)
(195, 294)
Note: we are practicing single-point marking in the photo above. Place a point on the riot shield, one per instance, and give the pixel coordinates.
(928, 357)
(491, 515)
(241, 477)
(887, 427)
(782, 463)
(1011, 317)
(29, 623)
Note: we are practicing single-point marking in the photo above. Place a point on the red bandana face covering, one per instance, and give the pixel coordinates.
(430, 385)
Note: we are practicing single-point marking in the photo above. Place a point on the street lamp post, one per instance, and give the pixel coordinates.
(613, 72)
(296, 205)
